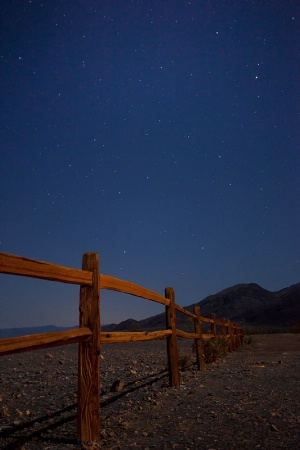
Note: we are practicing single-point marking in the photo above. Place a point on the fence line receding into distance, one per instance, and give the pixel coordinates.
(90, 337)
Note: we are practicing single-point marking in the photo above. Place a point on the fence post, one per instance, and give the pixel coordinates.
(88, 415)
(213, 325)
(242, 334)
(172, 347)
(238, 336)
(230, 332)
(234, 336)
(199, 341)
(223, 332)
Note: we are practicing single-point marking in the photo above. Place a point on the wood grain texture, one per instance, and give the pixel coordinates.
(223, 327)
(199, 341)
(213, 325)
(206, 319)
(185, 335)
(115, 284)
(89, 334)
(18, 265)
(208, 336)
(30, 342)
(185, 311)
(172, 346)
(88, 428)
(116, 337)
(230, 333)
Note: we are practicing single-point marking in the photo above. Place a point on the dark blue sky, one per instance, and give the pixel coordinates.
(162, 134)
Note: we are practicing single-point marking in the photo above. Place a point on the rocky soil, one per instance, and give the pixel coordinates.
(248, 400)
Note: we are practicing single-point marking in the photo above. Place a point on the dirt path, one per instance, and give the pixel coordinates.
(249, 400)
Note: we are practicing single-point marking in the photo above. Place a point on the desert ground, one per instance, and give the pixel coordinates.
(247, 400)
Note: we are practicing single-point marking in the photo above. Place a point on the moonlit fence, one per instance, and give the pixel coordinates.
(90, 337)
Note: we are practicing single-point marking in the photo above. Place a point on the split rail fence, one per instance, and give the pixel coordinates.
(90, 337)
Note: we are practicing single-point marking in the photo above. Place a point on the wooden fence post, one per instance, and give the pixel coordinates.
(213, 325)
(234, 335)
(172, 347)
(88, 425)
(242, 334)
(230, 332)
(199, 341)
(238, 336)
(223, 332)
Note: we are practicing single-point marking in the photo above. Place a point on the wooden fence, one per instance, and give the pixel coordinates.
(90, 337)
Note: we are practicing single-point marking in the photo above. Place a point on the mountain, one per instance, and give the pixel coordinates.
(247, 304)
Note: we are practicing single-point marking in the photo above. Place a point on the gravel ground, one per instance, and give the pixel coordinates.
(248, 400)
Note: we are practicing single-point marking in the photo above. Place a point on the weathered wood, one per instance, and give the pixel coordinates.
(115, 284)
(172, 347)
(18, 265)
(241, 330)
(205, 319)
(89, 356)
(233, 336)
(223, 327)
(208, 336)
(116, 337)
(89, 334)
(230, 333)
(219, 323)
(199, 341)
(236, 336)
(30, 342)
(186, 335)
(185, 311)
(213, 328)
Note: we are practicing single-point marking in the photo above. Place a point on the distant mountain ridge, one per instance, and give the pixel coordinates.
(246, 304)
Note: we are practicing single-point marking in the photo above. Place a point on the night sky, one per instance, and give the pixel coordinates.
(163, 135)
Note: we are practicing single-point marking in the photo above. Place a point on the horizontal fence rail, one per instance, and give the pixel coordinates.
(90, 337)
(114, 284)
(23, 344)
(18, 265)
(126, 336)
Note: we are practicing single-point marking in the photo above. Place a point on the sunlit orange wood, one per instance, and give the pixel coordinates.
(186, 335)
(117, 337)
(115, 284)
(185, 311)
(172, 346)
(206, 319)
(18, 265)
(213, 326)
(208, 336)
(30, 342)
(88, 416)
(199, 340)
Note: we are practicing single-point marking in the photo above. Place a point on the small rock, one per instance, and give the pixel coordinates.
(17, 423)
(4, 411)
(117, 386)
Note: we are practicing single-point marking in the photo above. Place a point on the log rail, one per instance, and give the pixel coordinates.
(90, 337)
